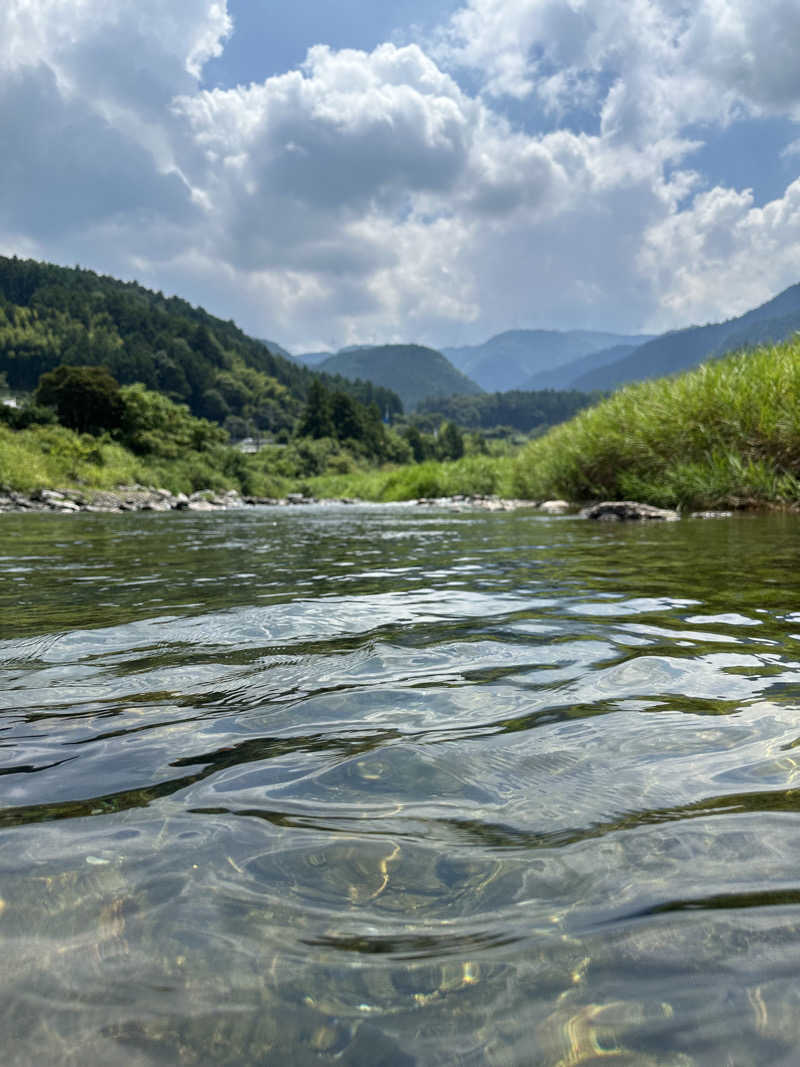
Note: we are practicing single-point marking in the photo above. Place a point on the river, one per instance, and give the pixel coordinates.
(393, 786)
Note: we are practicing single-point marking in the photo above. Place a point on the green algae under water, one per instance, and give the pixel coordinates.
(374, 786)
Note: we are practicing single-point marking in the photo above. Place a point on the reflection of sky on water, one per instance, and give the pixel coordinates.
(498, 806)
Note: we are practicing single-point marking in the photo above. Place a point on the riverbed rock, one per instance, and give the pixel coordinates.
(627, 511)
(555, 507)
(478, 500)
(137, 498)
(711, 515)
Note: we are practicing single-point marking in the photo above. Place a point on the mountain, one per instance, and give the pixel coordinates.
(520, 410)
(51, 315)
(563, 377)
(514, 359)
(279, 350)
(680, 349)
(412, 371)
(312, 359)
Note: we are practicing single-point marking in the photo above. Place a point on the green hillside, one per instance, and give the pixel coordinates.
(679, 350)
(52, 315)
(724, 434)
(412, 371)
(522, 410)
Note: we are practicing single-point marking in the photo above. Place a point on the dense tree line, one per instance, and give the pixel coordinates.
(89, 400)
(332, 413)
(50, 316)
(521, 410)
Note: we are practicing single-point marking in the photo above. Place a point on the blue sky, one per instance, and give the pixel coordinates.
(271, 38)
(329, 174)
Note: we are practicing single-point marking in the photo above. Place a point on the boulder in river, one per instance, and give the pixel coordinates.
(627, 511)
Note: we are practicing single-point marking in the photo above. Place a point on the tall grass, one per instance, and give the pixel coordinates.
(50, 457)
(727, 433)
(472, 475)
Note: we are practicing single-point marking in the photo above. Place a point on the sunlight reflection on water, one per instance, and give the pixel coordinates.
(366, 786)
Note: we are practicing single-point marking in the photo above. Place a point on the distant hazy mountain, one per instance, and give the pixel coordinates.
(563, 377)
(681, 349)
(279, 350)
(515, 359)
(415, 372)
(313, 359)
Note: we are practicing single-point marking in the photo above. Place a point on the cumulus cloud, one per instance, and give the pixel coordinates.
(65, 168)
(722, 255)
(369, 196)
(644, 66)
(85, 90)
(377, 170)
(61, 33)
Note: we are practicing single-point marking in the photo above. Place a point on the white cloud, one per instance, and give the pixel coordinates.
(85, 89)
(132, 32)
(414, 208)
(723, 255)
(645, 66)
(368, 196)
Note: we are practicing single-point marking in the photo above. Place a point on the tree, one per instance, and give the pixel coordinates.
(152, 423)
(348, 422)
(416, 443)
(213, 406)
(316, 420)
(86, 399)
(451, 442)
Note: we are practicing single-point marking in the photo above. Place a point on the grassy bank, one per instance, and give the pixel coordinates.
(50, 457)
(725, 434)
(471, 475)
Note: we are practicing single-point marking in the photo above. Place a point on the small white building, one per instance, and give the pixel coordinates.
(249, 445)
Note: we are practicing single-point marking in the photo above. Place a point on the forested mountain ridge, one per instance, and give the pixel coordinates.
(679, 350)
(414, 372)
(562, 377)
(515, 359)
(51, 315)
(523, 410)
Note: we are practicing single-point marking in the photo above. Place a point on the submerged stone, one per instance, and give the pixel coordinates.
(627, 511)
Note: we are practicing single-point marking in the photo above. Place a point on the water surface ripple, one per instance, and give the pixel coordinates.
(374, 786)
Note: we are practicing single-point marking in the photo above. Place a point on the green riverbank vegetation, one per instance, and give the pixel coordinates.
(726, 434)
(472, 475)
(51, 315)
(79, 428)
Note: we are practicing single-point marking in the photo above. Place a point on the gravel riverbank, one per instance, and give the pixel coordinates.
(145, 498)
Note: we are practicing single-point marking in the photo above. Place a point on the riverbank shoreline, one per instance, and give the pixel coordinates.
(139, 498)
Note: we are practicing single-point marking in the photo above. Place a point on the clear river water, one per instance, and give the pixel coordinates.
(395, 786)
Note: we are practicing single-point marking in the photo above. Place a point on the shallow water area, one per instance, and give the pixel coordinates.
(370, 785)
